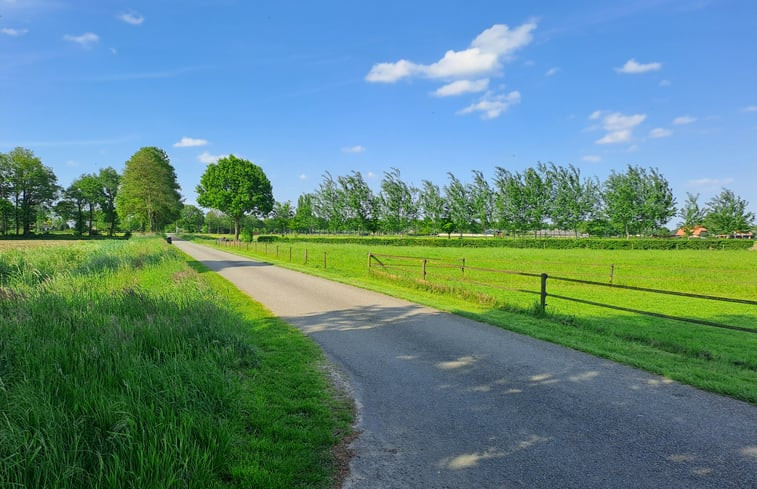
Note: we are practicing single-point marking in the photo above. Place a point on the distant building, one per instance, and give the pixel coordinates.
(697, 232)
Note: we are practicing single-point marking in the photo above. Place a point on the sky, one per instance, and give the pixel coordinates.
(427, 87)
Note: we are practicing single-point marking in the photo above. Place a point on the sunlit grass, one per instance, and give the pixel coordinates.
(121, 366)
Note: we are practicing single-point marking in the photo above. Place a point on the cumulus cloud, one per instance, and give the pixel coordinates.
(485, 54)
(186, 142)
(88, 39)
(683, 120)
(492, 105)
(208, 158)
(633, 67)
(660, 132)
(132, 18)
(13, 32)
(551, 71)
(353, 149)
(460, 87)
(619, 127)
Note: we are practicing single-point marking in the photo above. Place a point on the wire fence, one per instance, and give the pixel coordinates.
(421, 268)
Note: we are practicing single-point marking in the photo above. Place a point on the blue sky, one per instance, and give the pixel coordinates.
(427, 87)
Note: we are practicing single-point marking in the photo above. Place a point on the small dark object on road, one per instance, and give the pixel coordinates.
(168, 239)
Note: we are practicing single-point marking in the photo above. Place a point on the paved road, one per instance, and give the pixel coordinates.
(447, 402)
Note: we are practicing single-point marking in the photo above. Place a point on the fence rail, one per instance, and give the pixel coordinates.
(413, 262)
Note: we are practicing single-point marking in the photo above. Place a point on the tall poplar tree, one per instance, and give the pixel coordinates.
(149, 192)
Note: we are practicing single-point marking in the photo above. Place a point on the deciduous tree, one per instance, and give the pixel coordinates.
(727, 213)
(236, 187)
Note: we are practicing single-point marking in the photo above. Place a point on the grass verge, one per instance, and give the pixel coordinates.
(721, 361)
(123, 366)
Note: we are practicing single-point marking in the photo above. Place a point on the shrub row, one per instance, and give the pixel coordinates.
(545, 243)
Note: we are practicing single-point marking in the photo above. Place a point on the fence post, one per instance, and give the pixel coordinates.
(290, 253)
(306, 256)
(277, 251)
(462, 269)
(543, 291)
(324, 260)
(265, 247)
(612, 272)
(424, 269)
(370, 255)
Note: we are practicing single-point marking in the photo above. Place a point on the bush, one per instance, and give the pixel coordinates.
(268, 239)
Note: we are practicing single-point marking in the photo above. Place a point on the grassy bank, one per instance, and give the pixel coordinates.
(720, 360)
(123, 366)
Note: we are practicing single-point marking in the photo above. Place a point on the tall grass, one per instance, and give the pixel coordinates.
(121, 366)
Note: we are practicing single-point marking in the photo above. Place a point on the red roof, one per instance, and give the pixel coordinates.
(697, 231)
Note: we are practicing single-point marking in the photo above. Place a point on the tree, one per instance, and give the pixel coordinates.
(482, 200)
(329, 203)
(6, 208)
(360, 203)
(91, 191)
(235, 187)
(510, 201)
(32, 186)
(399, 207)
(432, 207)
(458, 200)
(691, 214)
(109, 183)
(281, 217)
(75, 202)
(574, 202)
(149, 193)
(727, 214)
(304, 220)
(638, 200)
(191, 219)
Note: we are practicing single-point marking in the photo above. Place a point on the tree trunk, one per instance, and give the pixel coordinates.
(236, 228)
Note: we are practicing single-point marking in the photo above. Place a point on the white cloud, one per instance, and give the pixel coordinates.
(617, 121)
(491, 106)
(710, 182)
(208, 158)
(595, 115)
(353, 149)
(591, 158)
(13, 32)
(684, 119)
(750, 108)
(132, 18)
(371, 176)
(665, 83)
(633, 67)
(485, 55)
(303, 177)
(460, 87)
(615, 137)
(551, 71)
(186, 142)
(660, 132)
(633, 148)
(85, 40)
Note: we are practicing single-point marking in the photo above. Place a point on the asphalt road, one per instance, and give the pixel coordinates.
(445, 402)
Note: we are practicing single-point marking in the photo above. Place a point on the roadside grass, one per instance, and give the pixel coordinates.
(719, 360)
(124, 364)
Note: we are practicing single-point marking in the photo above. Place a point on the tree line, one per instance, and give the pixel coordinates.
(146, 197)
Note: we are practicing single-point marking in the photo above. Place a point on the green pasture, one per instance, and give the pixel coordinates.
(720, 360)
(124, 365)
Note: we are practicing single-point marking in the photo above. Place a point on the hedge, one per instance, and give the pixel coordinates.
(546, 243)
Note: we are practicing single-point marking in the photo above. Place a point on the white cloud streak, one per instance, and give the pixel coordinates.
(460, 87)
(132, 18)
(591, 158)
(492, 105)
(208, 158)
(87, 40)
(186, 142)
(353, 149)
(683, 120)
(633, 67)
(619, 127)
(660, 132)
(552, 72)
(710, 182)
(750, 108)
(13, 32)
(485, 54)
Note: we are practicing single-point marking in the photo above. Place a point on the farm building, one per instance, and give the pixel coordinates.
(697, 232)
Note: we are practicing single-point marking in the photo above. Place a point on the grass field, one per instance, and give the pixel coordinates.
(124, 365)
(720, 360)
